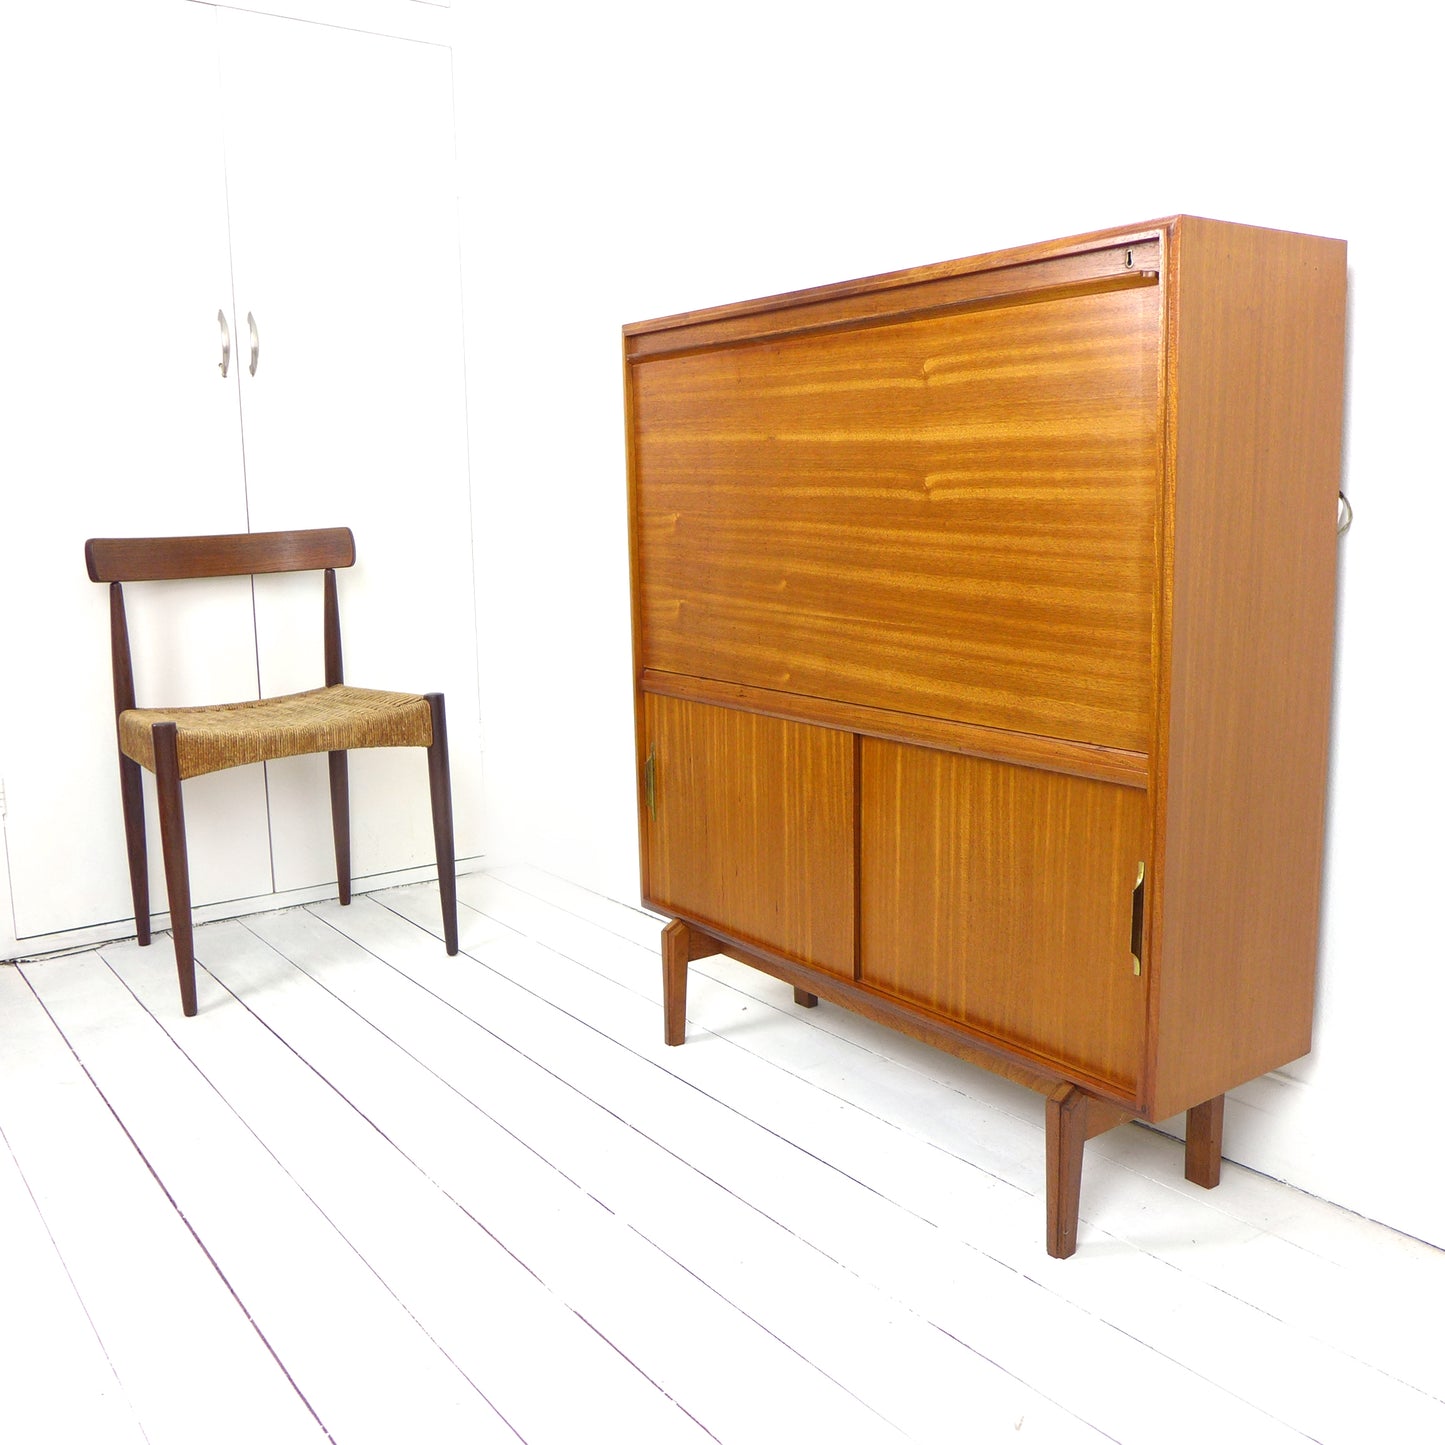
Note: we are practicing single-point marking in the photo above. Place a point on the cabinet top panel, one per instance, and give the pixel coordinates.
(1090, 256)
(1090, 263)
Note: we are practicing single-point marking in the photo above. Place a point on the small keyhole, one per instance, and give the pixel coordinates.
(1128, 258)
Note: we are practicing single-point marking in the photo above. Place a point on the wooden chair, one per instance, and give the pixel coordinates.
(184, 742)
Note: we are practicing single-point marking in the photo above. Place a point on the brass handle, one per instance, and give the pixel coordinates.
(1136, 930)
(649, 782)
(225, 343)
(255, 341)
(1344, 515)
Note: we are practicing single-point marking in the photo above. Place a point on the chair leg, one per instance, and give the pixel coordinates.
(439, 774)
(132, 806)
(341, 824)
(173, 850)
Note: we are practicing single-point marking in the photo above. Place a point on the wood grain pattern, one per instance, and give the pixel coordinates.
(1256, 396)
(951, 516)
(235, 554)
(1000, 896)
(1111, 765)
(754, 828)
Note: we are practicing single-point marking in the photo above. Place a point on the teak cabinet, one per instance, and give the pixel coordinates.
(983, 625)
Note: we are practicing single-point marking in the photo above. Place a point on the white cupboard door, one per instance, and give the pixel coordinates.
(341, 182)
(116, 421)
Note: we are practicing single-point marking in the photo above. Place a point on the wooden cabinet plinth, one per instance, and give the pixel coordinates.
(983, 624)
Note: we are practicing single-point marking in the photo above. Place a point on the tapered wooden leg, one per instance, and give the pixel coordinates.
(680, 945)
(1072, 1118)
(1064, 1134)
(675, 952)
(173, 851)
(440, 775)
(804, 999)
(1204, 1142)
(131, 801)
(133, 807)
(341, 823)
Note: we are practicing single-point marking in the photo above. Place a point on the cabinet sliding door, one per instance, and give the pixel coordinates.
(749, 827)
(1003, 897)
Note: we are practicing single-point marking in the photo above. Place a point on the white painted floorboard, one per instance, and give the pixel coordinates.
(55, 1380)
(376, 1194)
(180, 1348)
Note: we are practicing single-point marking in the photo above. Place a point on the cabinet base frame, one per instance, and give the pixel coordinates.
(1072, 1116)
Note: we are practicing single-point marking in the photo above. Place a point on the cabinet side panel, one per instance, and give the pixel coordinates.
(1258, 365)
(753, 828)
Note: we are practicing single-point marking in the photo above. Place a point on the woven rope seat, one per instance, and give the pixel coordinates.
(326, 719)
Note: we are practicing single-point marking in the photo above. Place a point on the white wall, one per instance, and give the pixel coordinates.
(629, 160)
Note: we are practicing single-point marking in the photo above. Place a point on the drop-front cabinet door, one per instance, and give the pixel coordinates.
(946, 516)
(748, 826)
(1009, 899)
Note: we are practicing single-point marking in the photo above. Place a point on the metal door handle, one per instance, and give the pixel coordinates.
(255, 341)
(225, 344)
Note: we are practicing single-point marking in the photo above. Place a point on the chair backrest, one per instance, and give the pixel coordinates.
(164, 559)
(160, 559)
